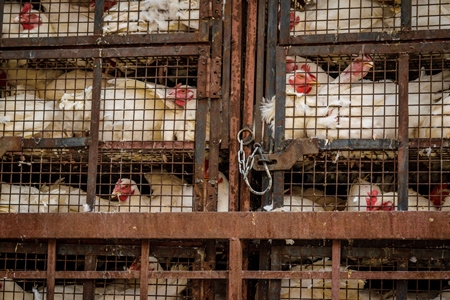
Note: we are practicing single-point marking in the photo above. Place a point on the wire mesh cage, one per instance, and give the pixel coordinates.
(364, 16)
(43, 19)
(118, 265)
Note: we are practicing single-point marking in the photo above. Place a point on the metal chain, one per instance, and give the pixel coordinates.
(246, 164)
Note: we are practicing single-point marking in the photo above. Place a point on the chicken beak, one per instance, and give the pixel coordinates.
(314, 82)
(114, 196)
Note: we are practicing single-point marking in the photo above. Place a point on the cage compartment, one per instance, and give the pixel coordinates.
(118, 267)
(360, 16)
(60, 19)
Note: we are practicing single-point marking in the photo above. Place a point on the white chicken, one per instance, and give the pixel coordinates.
(158, 289)
(301, 106)
(25, 115)
(130, 111)
(71, 82)
(172, 193)
(295, 203)
(130, 199)
(369, 197)
(9, 289)
(64, 198)
(19, 198)
(434, 124)
(319, 288)
(149, 16)
(426, 15)
(373, 112)
(72, 291)
(32, 79)
(33, 23)
(68, 19)
(345, 16)
(179, 122)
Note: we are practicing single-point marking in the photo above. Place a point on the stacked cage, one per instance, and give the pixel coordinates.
(353, 123)
(105, 110)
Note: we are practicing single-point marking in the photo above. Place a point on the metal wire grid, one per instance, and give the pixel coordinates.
(62, 19)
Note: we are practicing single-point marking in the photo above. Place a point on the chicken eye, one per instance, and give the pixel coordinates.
(126, 186)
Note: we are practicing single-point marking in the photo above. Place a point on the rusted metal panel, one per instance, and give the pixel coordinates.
(246, 225)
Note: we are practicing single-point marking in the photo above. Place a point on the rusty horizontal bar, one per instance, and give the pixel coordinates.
(110, 40)
(103, 52)
(141, 145)
(351, 274)
(370, 37)
(371, 48)
(217, 225)
(116, 274)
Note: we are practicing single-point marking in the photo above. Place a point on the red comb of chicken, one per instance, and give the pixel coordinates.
(372, 200)
(293, 20)
(439, 193)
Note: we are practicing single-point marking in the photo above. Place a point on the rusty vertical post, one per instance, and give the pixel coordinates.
(403, 155)
(249, 87)
(90, 264)
(94, 134)
(143, 280)
(235, 100)
(51, 268)
(336, 269)
(234, 287)
(403, 124)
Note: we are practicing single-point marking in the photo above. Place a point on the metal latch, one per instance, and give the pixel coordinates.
(284, 160)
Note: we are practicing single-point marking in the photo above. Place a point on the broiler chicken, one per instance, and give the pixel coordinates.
(68, 19)
(375, 199)
(319, 288)
(130, 111)
(59, 197)
(300, 106)
(426, 15)
(26, 115)
(150, 16)
(130, 199)
(345, 16)
(434, 124)
(179, 122)
(71, 82)
(19, 198)
(33, 23)
(373, 112)
(295, 203)
(10, 290)
(171, 193)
